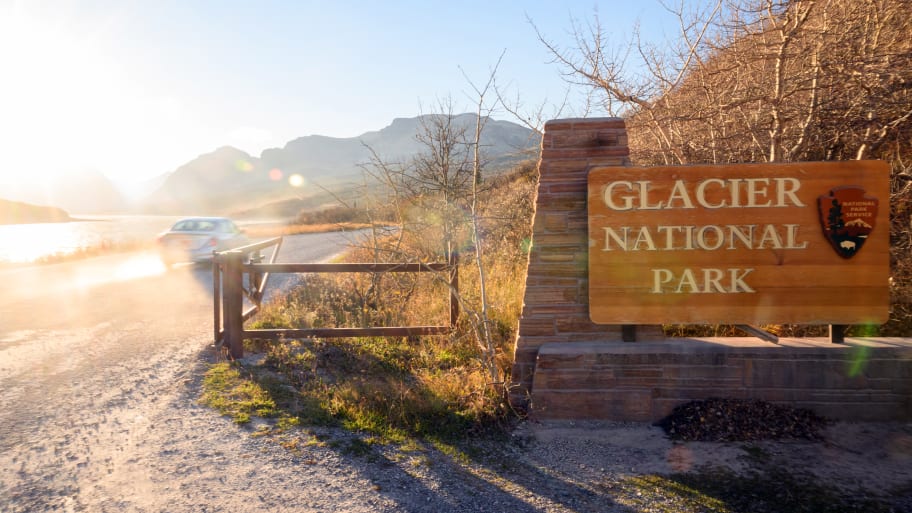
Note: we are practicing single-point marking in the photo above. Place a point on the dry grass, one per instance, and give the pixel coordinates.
(276, 230)
(434, 387)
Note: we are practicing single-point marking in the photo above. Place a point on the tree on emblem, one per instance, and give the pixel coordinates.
(835, 222)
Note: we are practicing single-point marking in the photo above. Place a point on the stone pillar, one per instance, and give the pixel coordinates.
(556, 301)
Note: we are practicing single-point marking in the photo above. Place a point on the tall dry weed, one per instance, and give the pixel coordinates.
(435, 386)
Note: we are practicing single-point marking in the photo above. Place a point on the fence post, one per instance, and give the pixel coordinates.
(216, 297)
(233, 303)
(454, 288)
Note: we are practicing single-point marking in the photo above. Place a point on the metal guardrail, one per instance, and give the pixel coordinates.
(230, 267)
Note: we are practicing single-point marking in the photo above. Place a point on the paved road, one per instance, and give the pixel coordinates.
(97, 364)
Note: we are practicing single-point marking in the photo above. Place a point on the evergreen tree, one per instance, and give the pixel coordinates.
(835, 222)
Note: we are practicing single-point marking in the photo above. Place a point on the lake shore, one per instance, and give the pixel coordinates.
(121, 234)
(15, 212)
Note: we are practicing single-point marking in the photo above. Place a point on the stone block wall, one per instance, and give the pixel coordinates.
(861, 380)
(556, 301)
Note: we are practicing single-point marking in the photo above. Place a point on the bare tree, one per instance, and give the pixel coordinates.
(436, 197)
(640, 96)
(757, 80)
(482, 115)
(440, 177)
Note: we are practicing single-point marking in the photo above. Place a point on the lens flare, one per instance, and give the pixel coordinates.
(140, 266)
(296, 180)
(859, 360)
(865, 330)
(526, 245)
(243, 166)
(275, 174)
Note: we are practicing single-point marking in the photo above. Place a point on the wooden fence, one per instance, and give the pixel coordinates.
(230, 267)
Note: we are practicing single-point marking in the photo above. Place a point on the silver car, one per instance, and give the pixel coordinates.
(194, 239)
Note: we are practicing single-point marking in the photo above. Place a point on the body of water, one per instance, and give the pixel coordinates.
(24, 243)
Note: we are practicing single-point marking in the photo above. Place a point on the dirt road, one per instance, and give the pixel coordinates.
(99, 367)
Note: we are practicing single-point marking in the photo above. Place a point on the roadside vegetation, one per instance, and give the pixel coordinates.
(294, 228)
(748, 81)
(434, 387)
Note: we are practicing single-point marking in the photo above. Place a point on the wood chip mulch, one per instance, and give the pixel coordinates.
(728, 420)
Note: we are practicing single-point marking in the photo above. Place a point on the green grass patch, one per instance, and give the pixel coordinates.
(233, 395)
(243, 393)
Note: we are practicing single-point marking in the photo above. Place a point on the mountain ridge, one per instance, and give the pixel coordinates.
(228, 179)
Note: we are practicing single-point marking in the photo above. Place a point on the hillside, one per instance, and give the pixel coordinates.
(87, 192)
(14, 212)
(230, 180)
(317, 155)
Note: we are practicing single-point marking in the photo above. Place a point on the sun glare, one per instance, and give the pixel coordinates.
(296, 180)
(133, 268)
(65, 91)
(140, 266)
(20, 243)
(72, 99)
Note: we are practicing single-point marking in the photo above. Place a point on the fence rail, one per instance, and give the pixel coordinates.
(230, 267)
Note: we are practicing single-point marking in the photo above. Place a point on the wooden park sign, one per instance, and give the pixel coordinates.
(804, 243)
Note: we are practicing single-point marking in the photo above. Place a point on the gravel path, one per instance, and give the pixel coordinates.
(99, 381)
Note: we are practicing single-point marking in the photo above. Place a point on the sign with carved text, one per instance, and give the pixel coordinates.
(804, 243)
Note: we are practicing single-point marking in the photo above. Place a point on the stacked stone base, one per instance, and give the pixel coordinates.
(861, 380)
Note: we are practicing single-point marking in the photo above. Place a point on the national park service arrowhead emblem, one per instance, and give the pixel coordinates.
(847, 216)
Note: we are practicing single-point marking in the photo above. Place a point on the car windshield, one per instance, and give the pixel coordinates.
(194, 225)
(227, 226)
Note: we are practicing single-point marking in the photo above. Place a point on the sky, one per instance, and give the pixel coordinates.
(135, 88)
